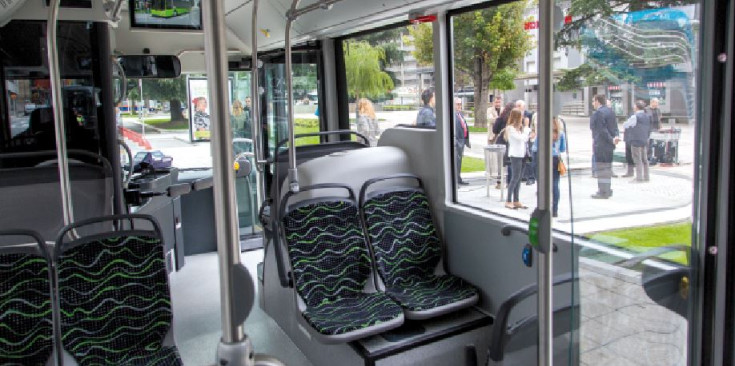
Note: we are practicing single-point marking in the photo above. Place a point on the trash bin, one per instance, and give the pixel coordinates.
(666, 145)
(494, 155)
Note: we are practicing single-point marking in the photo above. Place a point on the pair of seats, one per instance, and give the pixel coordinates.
(332, 244)
(102, 299)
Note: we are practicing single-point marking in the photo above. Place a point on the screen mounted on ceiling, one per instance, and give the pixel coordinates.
(165, 14)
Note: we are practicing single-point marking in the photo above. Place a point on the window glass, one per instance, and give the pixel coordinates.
(625, 109)
(387, 74)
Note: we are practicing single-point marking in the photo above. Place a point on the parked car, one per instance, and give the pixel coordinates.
(151, 160)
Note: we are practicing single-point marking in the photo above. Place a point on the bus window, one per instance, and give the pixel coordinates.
(624, 128)
(27, 122)
(387, 74)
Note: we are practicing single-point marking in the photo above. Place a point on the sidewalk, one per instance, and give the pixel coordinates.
(666, 198)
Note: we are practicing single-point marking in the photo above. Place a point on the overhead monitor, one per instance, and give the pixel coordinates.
(165, 14)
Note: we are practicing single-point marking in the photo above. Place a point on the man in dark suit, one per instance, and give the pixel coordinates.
(461, 137)
(604, 136)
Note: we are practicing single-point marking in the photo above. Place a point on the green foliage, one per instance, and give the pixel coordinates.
(504, 79)
(423, 43)
(365, 77)
(477, 129)
(643, 239)
(164, 89)
(472, 164)
(303, 125)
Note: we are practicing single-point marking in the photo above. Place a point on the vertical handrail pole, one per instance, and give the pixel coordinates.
(58, 109)
(259, 155)
(293, 176)
(226, 225)
(545, 268)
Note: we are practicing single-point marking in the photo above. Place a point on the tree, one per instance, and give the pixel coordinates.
(365, 77)
(614, 57)
(173, 90)
(488, 44)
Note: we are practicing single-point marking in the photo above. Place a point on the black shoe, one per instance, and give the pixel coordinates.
(600, 196)
(464, 183)
(555, 214)
(530, 182)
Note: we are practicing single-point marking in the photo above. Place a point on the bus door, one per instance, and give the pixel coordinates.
(274, 108)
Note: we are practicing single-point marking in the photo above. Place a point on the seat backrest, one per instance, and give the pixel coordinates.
(114, 296)
(26, 325)
(326, 245)
(30, 197)
(401, 231)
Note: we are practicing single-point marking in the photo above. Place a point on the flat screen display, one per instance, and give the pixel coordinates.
(166, 14)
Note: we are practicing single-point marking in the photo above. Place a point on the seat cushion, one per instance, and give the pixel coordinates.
(25, 310)
(431, 292)
(343, 315)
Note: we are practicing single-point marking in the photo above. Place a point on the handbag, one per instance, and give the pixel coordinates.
(562, 167)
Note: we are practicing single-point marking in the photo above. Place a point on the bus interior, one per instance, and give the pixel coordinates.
(344, 182)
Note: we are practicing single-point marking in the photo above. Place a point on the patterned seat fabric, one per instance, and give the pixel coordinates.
(331, 265)
(407, 251)
(115, 302)
(26, 327)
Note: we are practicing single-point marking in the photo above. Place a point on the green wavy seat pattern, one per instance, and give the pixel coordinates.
(115, 302)
(26, 326)
(407, 251)
(331, 265)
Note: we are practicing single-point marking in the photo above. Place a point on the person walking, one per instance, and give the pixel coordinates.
(461, 138)
(517, 136)
(367, 124)
(604, 139)
(426, 116)
(637, 133)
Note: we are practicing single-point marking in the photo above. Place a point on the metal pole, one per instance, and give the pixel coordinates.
(58, 108)
(255, 107)
(293, 176)
(545, 269)
(228, 240)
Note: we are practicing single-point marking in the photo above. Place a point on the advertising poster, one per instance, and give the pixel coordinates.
(200, 123)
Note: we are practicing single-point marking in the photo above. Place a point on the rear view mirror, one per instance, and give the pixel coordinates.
(148, 66)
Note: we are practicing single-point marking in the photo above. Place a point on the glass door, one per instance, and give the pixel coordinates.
(274, 102)
(626, 102)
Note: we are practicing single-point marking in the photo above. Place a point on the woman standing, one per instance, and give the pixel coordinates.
(499, 132)
(558, 146)
(367, 124)
(517, 135)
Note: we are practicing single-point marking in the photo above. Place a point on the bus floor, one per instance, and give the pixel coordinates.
(195, 294)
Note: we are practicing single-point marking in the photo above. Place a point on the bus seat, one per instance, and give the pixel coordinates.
(114, 296)
(26, 323)
(30, 197)
(331, 269)
(408, 251)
